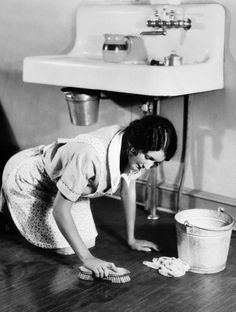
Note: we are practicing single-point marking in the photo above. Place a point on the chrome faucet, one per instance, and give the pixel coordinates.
(167, 21)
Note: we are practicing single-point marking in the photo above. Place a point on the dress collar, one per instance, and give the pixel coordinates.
(114, 159)
(114, 163)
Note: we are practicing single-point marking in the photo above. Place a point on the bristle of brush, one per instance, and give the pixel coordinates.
(118, 279)
(87, 275)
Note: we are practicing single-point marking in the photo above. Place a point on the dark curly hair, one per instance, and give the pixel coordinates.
(150, 133)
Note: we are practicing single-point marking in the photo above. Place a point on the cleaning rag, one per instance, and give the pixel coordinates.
(168, 266)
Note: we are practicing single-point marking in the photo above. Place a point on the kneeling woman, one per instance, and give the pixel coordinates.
(47, 189)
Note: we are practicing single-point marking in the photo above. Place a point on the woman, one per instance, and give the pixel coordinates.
(47, 188)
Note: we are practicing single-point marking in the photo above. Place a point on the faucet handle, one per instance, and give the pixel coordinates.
(165, 13)
(187, 24)
(156, 14)
(172, 15)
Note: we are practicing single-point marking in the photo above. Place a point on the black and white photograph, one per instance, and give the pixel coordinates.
(117, 156)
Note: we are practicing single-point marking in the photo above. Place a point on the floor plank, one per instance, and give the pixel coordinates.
(32, 279)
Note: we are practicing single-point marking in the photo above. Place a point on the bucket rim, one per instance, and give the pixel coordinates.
(220, 209)
(81, 95)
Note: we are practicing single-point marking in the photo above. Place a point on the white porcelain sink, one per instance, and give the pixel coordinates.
(202, 49)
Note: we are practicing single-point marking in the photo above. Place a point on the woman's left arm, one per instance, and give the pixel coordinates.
(128, 197)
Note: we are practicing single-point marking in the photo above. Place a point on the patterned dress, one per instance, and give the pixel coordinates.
(81, 168)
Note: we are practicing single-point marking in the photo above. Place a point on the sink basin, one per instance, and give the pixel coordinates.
(202, 49)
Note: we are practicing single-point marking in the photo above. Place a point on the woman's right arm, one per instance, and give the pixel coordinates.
(63, 217)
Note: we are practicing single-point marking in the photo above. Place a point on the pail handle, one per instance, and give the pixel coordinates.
(190, 226)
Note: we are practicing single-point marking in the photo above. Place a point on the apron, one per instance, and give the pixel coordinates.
(30, 195)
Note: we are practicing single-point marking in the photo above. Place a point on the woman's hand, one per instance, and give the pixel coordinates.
(99, 267)
(143, 245)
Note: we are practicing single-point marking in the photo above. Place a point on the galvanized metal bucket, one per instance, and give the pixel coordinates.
(83, 105)
(203, 238)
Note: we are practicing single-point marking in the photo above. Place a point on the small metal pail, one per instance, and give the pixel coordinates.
(203, 238)
(83, 105)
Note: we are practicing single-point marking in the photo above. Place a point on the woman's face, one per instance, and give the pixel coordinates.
(146, 161)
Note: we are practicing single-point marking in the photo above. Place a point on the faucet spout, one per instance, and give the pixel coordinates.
(162, 32)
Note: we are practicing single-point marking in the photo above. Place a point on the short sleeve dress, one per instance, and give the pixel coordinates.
(81, 168)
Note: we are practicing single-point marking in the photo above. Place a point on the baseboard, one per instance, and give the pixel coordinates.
(167, 196)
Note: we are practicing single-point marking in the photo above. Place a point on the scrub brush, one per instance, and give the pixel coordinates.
(121, 276)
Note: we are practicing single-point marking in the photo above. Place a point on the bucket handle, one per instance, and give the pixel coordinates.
(190, 226)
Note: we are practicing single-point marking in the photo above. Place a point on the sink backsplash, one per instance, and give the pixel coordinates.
(199, 44)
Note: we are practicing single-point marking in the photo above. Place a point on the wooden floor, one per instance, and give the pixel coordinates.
(34, 280)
